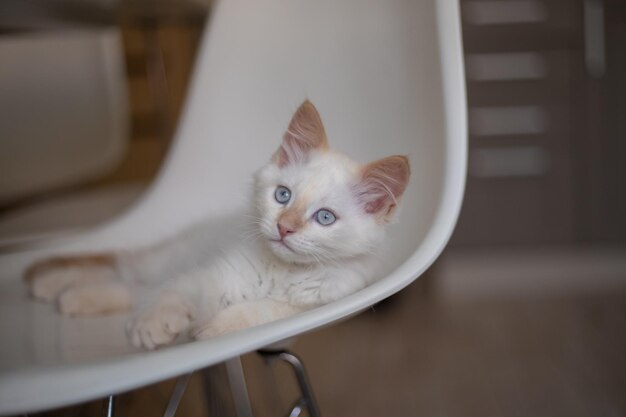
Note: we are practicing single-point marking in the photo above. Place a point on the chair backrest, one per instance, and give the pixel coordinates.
(387, 78)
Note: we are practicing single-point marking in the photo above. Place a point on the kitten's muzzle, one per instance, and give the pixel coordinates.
(285, 229)
(282, 242)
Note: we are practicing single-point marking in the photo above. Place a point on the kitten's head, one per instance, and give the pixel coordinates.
(316, 205)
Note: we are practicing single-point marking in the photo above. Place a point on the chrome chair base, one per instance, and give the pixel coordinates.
(238, 388)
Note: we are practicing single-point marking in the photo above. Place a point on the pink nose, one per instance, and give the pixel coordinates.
(284, 230)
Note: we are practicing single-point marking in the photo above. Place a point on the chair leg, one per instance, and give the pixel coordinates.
(297, 408)
(238, 387)
(177, 395)
(307, 400)
(221, 395)
(108, 408)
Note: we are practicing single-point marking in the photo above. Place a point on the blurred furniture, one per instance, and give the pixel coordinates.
(387, 78)
(546, 104)
(64, 112)
(64, 109)
(144, 51)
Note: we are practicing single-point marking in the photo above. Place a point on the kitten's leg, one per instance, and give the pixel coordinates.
(243, 315)
(47, 279)
(80, 285)
(162, 321)
(95, 297)
(189, 297)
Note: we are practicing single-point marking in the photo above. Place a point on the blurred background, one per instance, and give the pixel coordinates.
(525, 312)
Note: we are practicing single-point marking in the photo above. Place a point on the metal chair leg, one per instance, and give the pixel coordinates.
(225, 390)
(108, 409)
(307, 400)
(238, 387)
(177, 395)
(297, 408)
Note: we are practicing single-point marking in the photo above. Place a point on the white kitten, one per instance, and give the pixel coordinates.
(318, 215)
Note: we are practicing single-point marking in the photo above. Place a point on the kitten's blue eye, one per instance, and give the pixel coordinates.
(282, 194)
(325, 217)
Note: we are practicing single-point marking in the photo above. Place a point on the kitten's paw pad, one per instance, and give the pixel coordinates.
(159, 326)
(49, 278)
(94, 299)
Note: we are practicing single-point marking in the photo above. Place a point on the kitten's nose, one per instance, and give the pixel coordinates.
(284, 230)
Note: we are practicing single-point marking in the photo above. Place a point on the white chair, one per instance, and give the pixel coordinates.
(387, 78)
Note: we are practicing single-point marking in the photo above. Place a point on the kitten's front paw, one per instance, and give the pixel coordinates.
(233, 318)
(244, 315)
(215, 328)
(159, 325)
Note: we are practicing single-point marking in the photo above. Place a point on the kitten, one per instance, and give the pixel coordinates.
(319, 217)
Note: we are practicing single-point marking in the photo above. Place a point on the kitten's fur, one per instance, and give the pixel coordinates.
(292, 262)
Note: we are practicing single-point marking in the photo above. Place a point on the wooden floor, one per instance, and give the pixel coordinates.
(563, 357)
(419, 356)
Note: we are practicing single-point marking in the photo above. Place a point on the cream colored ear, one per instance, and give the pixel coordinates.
(382, 184)
(305, 133)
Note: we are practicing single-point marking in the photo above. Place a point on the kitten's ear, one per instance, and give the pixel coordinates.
(305, 133)
(381, 185)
